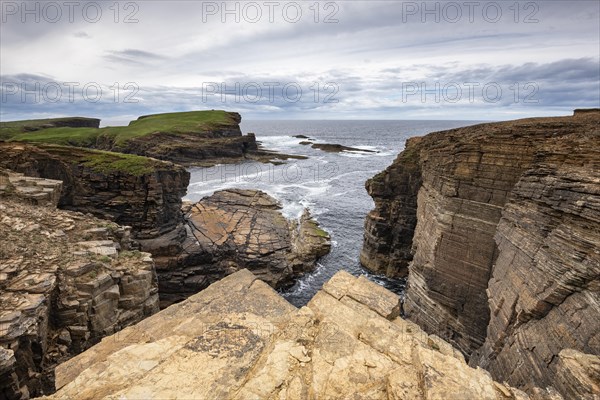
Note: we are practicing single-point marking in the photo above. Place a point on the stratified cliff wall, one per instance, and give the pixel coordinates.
(139, 192)
(545, 287)
(389, 228)
(66, 281)
(516, 202)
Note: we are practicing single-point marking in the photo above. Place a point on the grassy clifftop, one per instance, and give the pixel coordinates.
(9, 130)
(106, 162)
(200, 123)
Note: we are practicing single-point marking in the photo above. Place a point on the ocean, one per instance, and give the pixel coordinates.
(331, 185)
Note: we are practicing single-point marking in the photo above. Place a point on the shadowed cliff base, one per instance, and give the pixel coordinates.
(497, 228)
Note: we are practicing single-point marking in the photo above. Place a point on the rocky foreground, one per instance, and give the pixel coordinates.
(498, 229)
(238, 339)
(232, 230)
(66, 280)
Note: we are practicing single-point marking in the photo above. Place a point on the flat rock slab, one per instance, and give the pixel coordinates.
(239, 339)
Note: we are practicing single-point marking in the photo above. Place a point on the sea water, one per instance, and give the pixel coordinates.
(331, 185)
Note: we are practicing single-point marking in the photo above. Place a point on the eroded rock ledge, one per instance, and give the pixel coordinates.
(135, 191)
(239, 340)
(231, 230)
(66, 280)
(500, 226)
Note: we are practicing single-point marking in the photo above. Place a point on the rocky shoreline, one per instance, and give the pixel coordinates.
(496, 226)
(232, 230)
(66, 307)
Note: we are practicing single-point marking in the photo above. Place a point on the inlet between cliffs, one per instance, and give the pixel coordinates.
(330, 184)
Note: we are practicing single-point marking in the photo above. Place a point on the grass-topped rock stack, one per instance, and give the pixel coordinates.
(188, 138)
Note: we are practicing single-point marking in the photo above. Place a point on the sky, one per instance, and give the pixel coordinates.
(460, 60)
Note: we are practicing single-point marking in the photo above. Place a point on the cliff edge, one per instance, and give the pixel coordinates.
(239, 339)
(66, 280)
(497, 226)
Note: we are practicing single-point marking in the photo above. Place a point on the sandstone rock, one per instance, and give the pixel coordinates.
(578, 375)
(499, 224)
(239, 340)
(232, 230)
(59, 295)
(36, 191)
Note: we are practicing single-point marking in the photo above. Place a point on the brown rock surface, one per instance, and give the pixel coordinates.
(544, 292)
(231, 230)
(511, 208)
(36, 191)
(66, 280)
(147, 198)
(239, 340)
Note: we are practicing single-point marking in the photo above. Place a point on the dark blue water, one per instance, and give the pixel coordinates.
(331, 185)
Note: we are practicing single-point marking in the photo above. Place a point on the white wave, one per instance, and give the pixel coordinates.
(279, 142)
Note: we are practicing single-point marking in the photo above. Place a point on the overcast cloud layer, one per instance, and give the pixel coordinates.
(300, 60)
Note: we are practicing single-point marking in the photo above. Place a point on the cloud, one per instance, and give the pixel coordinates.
(82, 35)
(133, 56)
(374, 50)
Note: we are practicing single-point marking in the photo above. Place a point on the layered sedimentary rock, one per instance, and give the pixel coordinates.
(35, 191)
(239, 340)
(544, 292)
(139, 192)
(66, 280)
(389, 228)
(514, 204)
(196, 137)
(209, 145)
(231, 230)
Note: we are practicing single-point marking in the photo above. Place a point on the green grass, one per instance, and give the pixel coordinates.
(198, 122)
(106, 162)
(14, 128)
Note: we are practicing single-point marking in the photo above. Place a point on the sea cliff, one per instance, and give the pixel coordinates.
(497, 227)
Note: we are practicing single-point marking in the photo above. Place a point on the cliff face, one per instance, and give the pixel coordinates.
(66, 281)
(186, 138)
(390, 226)
(218, 142)
(507, 222)
(229, 231)
(545, 286)
(239, 340)
(139, 192)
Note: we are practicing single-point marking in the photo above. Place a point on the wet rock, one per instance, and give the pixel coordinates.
(232, 230)
(337, 148)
